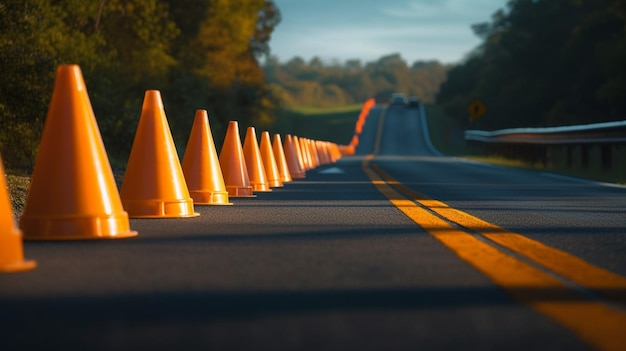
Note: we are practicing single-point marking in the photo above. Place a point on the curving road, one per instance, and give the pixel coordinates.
(583, 217)
(395, 248)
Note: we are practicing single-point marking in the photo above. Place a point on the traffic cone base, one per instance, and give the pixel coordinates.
(261, 187)
(203, 197)
(240, 191)
(61, 228)
(12, 255)
(275, 183)
(73, 194)
(161, 209)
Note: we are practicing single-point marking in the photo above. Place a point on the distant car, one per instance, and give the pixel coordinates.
(398, 99)
(414, 101)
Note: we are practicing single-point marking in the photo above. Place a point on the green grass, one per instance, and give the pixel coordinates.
(334, 124)
(315, 110)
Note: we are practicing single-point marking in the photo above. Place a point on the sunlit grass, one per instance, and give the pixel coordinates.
(334, 124)
(315, 110)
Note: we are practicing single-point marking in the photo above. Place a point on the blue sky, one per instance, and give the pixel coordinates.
(369, 29)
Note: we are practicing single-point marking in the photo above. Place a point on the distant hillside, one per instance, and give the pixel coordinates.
(317, 83)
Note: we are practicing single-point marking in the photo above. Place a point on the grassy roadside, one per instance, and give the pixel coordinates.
(334, 124)
(447, 137)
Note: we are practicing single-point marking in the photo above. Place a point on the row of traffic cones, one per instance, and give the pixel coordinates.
(73, 194)
(350, 149)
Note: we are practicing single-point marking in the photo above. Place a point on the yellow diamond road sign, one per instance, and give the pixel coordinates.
(476, 109)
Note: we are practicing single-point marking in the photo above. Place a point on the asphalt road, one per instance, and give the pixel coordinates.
(327, 263)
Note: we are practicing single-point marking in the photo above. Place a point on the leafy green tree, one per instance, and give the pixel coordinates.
(544, 63)
(36, 37)
(199, 53)
(317, 83)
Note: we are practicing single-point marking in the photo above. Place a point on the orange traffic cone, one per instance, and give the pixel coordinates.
(330, 151)
(315, 161)
(355, 141)
(328, 157)
(306, 154)
(269, 161)
(252, 155)
(281, 161)
(293, 160)
(320, 149)
(154, 185)
(335, 151)
(234, 165)
(11, 250)
(72, 193)
(301, 155)
(347, 150)
(201, 166)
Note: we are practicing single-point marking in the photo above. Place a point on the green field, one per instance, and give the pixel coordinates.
(335, 124)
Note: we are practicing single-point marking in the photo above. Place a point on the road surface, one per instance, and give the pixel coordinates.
(395, 248)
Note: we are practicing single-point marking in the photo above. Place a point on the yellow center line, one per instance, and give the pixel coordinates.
(608, 284)
(595, 322)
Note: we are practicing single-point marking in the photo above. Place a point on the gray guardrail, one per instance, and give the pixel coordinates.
(598, 133)
(572, 145)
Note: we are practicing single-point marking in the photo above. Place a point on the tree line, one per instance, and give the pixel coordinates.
(199, 53)
(318, 83)
(544, 63)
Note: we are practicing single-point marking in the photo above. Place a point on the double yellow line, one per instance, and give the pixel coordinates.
(576, 294)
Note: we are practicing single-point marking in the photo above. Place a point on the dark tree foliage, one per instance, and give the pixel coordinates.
(201, 54)
(316, 83)
(544, 63)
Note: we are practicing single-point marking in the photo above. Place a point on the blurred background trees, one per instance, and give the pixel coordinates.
(318, 83)
(544, 63)
(199, 53)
